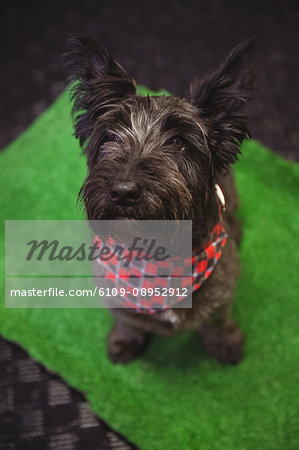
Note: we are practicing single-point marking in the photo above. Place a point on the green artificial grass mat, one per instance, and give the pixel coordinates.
(175, 396)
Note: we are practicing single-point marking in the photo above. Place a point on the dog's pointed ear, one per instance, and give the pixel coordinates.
(221, 98)
(100, 82)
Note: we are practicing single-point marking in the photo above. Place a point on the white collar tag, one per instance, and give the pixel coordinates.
(220, 195)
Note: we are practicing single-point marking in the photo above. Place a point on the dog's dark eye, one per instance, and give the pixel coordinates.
(176, 143)
(112, 138)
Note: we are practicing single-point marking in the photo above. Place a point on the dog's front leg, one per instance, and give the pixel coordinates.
(125, 342)
(222, 337)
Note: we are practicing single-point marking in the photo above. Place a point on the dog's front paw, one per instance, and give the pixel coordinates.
(124, 344)
(225, 344)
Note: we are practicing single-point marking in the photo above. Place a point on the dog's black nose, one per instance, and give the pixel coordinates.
(125, 193)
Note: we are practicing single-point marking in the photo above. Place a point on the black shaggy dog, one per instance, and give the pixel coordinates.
(160, 158)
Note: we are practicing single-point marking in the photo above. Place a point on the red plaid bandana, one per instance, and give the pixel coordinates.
(135, 284)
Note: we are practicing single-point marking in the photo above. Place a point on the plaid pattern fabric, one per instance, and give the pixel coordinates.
(135, 283)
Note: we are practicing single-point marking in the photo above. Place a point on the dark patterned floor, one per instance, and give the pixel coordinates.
(163, 44)
(39, 411)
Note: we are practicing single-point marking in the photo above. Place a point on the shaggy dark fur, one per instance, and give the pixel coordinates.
(159, 158)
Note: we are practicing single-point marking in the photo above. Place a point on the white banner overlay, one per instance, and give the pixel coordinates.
(139, 265)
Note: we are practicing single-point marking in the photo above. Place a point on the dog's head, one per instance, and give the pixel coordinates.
(155, 157)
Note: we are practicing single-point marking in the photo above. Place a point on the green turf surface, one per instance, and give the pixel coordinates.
(175, 396)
